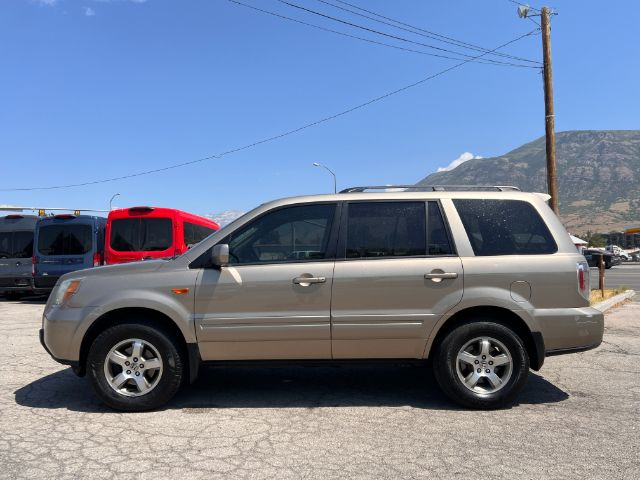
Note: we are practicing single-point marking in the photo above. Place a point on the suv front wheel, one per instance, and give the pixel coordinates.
(481, 365)
(135, 367)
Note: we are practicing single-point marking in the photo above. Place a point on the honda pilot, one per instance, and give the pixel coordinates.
(484, 282)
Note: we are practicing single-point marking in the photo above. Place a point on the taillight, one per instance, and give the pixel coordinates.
(33, 266)
(584, 286)
(97, 259)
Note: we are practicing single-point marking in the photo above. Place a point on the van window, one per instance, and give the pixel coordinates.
(22, 244)
(5, 245)
(386, 229)
(195, 233)
(299, 233)
(64, 239)
(505, 227)
(141, 234)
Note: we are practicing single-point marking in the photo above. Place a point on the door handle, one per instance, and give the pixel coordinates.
(306, 281)
(436, 276)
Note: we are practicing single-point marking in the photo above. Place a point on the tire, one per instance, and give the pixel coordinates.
(134, 386)
(485, 384)
(13, 296)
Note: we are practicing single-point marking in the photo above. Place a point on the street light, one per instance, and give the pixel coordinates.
(110, 201)
(335, 181)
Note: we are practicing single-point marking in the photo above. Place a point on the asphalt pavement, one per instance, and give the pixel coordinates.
(578, 418)
(623, 275)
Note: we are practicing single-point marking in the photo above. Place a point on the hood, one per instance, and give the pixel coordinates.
(118, 269)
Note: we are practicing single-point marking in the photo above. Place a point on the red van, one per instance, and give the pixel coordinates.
(141, 233)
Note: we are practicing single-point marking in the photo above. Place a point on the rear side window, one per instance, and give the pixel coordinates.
(386, 229)
(65, 239)
(438, 242)
(141, 234)
(505, 227)
(194, 233)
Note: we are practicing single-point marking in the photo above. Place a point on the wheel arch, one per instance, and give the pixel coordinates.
(149, 316)
(533, 341)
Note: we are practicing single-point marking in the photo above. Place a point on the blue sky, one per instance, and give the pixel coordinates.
(97, 89)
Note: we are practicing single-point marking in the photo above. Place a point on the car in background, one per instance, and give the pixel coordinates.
(65, 243)
(145, 233)
(593, 257)
(16, 250)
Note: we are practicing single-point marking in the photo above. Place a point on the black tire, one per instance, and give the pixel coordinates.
(169, 380)
(13, 296)
(446, 361)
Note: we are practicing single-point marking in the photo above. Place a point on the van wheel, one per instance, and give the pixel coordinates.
(135, 367)
(481, 365)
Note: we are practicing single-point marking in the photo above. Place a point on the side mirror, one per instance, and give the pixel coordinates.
(220, 255)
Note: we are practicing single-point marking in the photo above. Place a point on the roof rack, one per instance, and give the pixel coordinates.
(434, 188)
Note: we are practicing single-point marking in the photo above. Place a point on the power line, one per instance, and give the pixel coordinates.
(371, 30)
(284, 17)
(524, 5)
(279, 136)
(420, 31)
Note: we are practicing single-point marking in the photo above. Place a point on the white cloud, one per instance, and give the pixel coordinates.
(89, 12)
(466, 156)
(48, 3)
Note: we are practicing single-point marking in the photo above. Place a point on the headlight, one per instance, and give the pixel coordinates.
(65, 290)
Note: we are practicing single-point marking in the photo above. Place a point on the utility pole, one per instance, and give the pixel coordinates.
(549, 116)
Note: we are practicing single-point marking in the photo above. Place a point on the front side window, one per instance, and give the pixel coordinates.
(299, 233)
(504, 227)
(386, 229)
(141, 234)
(65, 239)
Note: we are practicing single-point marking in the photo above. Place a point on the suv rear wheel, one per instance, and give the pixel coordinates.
(481, 365)
(135, 367)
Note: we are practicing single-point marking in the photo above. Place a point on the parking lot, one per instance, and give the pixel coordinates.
(577, 418)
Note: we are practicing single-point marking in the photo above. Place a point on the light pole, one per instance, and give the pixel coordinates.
(335, 181)
(110, 201)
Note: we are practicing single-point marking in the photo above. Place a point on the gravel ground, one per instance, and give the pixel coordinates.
(577, 418)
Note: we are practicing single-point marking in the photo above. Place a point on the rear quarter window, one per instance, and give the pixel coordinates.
(504, 227)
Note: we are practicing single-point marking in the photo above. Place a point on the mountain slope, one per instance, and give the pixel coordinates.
(598, 176)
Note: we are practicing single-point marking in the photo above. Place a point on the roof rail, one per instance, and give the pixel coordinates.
(434, 188)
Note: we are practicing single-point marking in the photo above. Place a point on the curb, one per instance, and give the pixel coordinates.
(613, 301)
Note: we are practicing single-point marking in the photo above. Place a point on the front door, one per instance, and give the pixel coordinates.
(273, 300)
(399, 275)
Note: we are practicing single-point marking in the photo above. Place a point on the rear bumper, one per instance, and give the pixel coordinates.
(16, 284)
(44, 283)
(569, 330)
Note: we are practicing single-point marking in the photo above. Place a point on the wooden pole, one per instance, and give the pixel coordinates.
(549, 117)
(601, 267)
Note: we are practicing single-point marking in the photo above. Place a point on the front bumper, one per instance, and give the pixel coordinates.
(73, 363)
(568, 330)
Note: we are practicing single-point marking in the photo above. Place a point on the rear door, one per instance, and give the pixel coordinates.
(399, 274)
(65, 246)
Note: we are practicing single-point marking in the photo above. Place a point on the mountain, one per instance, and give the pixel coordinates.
(598, 176)
(226, 217)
